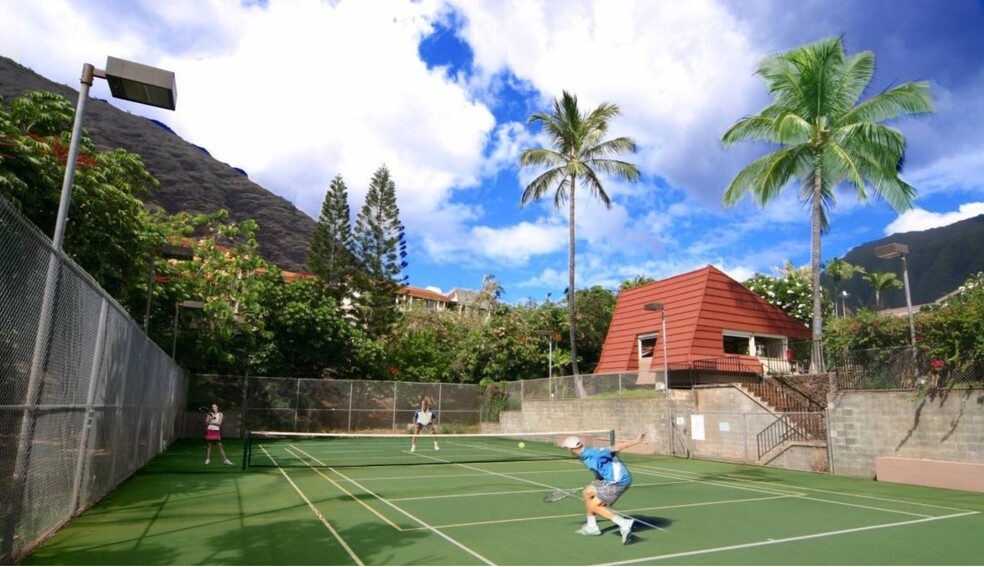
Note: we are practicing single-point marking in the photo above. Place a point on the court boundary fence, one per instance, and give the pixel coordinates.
(315, 405)
(86, 398)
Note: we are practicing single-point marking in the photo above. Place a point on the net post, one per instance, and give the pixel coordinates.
(247, 448)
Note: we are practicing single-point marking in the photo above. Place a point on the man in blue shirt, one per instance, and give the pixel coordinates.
(612, 478)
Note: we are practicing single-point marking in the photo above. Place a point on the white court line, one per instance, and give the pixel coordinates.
(579, 470)
(784, 540)
(338, 486)
(405, 513)
(581, 514)
(315, 510)
(735, 484)
(503, 492)
(681, 476)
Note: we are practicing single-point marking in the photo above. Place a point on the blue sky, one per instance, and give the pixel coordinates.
(296, 92)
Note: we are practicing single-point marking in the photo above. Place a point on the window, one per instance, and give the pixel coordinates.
(735, 344)
(760, 345)
(647, 344)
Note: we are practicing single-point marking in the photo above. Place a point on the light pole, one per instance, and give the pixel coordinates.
(844, 296)
(896, 250)
(129, 81)
(187, 304)
(656, 306)
(169, 253)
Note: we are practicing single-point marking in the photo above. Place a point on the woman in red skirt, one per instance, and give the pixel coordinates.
(213, 433)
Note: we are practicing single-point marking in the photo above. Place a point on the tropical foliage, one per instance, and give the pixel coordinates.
(827, 136)
(790, 291)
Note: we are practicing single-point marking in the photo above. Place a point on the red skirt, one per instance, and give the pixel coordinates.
(212, 435)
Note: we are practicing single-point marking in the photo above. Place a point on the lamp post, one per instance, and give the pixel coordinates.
(129, 81)
(187, 304)
(656, 306)
(169, 253)
(896, 250)
(844, 296)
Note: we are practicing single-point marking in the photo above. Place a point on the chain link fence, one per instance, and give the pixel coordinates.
(85, 397)
(901, 368)
(314, 405)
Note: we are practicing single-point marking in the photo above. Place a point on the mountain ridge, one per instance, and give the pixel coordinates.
(190, 178)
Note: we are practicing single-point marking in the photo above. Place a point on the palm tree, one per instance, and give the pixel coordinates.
(827, 137)
(839, 270)
(580, 152)
(880, 281)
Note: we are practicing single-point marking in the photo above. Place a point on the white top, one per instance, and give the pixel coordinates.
(214, 420)
(424, 417)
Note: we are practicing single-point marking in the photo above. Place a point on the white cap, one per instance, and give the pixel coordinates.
(572, 442)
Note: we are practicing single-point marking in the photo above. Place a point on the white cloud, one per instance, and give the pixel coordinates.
(517, 244)
(644, 56)
(921, 219)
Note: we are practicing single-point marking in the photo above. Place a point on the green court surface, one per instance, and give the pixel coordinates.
(177, 511)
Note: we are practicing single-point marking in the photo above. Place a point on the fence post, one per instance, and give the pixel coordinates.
(297, 401)
(89, 411)
(440, 397)
(351, 396)
(394, 405)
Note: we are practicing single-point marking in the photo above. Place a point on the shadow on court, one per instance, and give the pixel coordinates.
(643, 525)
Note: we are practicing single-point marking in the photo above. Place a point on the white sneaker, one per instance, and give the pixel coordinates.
(413, 448)
(436, 448)
(227, 461)
(589, 530)
(206, 461)
(626, 531)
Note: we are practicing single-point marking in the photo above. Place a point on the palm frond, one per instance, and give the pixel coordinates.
(543, 184)
(792, 129)
(615, 168)
(590, 178)
(541, 156)
(905, 99)
(751, 128)
(765, 177)
(858, 70)
(613, 147)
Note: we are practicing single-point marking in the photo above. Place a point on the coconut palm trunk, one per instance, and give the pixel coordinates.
(571, 312)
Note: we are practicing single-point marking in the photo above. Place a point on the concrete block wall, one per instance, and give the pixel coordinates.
(863, 426)
(943, 426)
(626, 416)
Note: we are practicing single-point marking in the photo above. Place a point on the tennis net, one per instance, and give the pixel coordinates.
(292, 449)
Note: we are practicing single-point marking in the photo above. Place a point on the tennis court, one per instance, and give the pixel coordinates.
(305, 510)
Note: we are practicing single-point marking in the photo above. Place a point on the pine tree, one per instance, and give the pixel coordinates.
(330, 256)
(380, 250)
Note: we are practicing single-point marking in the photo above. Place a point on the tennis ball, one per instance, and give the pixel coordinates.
(522, 445)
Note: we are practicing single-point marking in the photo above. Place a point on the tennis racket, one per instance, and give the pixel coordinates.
(558, 495)
(207, 410)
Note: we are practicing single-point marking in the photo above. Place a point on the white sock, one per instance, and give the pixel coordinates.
(591, 521)
(620, 521)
